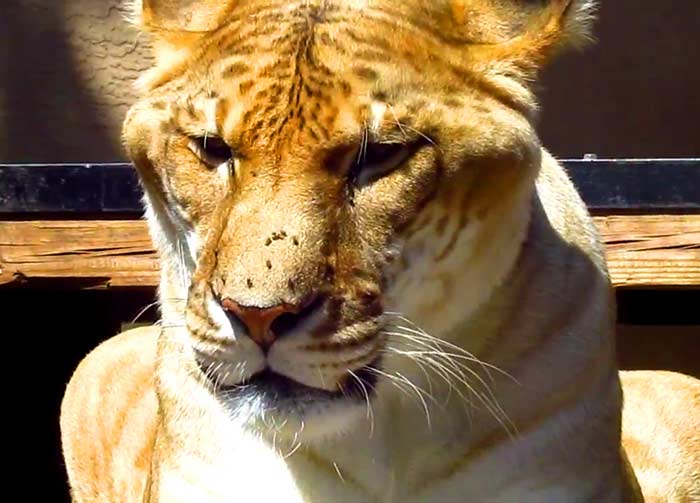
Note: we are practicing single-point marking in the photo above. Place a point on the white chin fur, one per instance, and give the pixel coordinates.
(326, 420)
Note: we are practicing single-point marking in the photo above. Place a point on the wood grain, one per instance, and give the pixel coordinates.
(642, 251)
(652, 250)
(112, 253)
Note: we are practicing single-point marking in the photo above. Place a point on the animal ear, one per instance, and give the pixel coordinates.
(176, 25)
(189, 16)
(525, 33)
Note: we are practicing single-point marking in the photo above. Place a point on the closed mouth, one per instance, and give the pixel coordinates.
(284, 392)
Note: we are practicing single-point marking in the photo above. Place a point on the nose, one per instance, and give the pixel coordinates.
(266, 324)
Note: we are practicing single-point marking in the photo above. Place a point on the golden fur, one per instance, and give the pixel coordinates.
(371, 170)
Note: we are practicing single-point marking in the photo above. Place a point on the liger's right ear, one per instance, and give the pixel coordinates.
(177, 25)
(522, 35)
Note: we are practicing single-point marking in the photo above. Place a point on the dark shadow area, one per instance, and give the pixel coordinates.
(659, 330)
(679, 306)
(661, 347)
(60, 328)
(47, 113)
(635, 92)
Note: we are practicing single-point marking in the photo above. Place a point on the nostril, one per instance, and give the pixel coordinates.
(289, 321)
(285, 323)
(265, 324)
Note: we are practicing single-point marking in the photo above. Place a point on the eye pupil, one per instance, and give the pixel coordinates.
(377, 153)
(216, 147)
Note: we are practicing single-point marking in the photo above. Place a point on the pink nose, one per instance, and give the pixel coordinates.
(259, 320)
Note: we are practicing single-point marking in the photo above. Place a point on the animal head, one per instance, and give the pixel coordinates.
(310, 165)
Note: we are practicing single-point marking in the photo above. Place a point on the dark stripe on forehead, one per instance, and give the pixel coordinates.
(247, 31)
(295, 81)
(250, 23)
(236, 69)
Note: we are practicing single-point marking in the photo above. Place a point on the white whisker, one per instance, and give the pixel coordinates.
(452, 364)
(337, 470)
(370, 412)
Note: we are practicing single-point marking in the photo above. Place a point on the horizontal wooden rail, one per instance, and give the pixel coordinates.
(106, 252)
(652, 250)
(642, 251)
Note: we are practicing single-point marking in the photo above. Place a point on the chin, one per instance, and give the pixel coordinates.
(274, 404)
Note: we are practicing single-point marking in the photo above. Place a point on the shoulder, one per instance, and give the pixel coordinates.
(127, 357)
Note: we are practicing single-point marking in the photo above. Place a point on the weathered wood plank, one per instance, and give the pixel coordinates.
(116, 253)
(642, 250)
(652, 250)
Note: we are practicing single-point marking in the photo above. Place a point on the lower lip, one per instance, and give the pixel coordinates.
(277, 387)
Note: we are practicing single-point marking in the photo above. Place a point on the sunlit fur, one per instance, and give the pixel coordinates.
(461, 346)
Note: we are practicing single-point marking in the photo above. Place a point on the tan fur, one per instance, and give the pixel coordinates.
(458, 309)
(660, 433)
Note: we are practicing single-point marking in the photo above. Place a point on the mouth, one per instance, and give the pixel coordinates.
(273, 390)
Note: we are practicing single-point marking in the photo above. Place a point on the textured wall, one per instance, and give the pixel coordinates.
(66, 68)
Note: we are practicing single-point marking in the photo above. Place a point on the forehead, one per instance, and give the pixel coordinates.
(321, 68)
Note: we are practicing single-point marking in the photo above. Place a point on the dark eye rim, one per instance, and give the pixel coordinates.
(211, 150)
(375, 160)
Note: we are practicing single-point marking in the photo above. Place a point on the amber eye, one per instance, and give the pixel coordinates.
(375, 160)
(211, 150)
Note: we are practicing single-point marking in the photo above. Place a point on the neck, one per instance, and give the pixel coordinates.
(537, 340)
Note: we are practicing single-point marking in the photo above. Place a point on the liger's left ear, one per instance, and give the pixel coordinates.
(522, 33)
(190, 16)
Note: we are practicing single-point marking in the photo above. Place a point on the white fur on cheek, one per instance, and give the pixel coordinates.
(193, 245)
(210, 107)
(378, 110)
(166, 234)
(223, 324)
(426, 294)
(223, 170)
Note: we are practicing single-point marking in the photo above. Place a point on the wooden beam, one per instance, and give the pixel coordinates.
(652, 250)
(642, 251)
(106, 252)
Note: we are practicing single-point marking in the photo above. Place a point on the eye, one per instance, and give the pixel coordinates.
(376, 160)
(211, 150)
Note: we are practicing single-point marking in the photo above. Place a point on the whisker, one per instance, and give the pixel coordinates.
(398, 379)
(419, 392)
(456, 371)
(466, 354)
(403, 126)
(337, 470)
(143, 311)
(296, 446)
(370, 412)
(451, 363)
